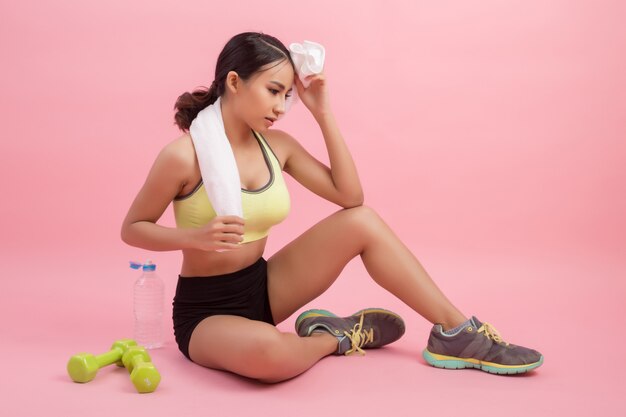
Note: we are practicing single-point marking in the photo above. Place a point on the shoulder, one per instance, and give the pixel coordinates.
(278, 137)
(180, 151)
(282, 143)
(178, 158)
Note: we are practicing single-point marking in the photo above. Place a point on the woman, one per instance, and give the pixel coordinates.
(229, 298)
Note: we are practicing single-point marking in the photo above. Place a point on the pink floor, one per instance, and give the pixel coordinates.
(577, 326)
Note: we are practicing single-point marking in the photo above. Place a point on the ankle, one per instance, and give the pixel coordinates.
(452, 323)
(327, 339)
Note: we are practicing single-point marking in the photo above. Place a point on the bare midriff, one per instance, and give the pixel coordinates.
(199, 263)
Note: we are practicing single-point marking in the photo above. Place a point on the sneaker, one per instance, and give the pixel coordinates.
(479, 346)
(370, 328)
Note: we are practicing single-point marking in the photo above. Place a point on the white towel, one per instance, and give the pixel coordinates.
(309, 59)
(217, 161)
(215, 155)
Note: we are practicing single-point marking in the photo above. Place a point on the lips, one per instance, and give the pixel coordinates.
(270, 122)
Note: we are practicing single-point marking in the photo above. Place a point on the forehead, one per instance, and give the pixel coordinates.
(282, 72)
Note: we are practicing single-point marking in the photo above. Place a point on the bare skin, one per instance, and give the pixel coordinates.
(303, 269)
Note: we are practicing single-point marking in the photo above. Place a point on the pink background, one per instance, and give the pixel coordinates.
(489, 134)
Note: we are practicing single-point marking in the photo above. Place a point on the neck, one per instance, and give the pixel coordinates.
(237, 131)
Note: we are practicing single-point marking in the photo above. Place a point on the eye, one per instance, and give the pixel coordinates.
(275, 91)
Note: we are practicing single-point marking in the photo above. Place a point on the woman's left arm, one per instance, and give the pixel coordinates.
(340, 183)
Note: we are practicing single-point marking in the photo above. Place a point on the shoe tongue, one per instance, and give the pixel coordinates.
(477, 323)
(344, 344)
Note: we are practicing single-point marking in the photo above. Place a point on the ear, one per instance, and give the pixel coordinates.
(233, 82)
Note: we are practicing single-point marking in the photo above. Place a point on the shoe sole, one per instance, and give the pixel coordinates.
(452, 362)
(325, 313)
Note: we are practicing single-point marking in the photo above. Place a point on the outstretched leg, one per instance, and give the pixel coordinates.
(256, 349)
(306, 267)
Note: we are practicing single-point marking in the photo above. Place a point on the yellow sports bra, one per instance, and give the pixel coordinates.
(262, 208)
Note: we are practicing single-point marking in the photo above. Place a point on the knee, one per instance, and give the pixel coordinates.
(268, 349)
(270, 358)
(360, 214)
(363, 219)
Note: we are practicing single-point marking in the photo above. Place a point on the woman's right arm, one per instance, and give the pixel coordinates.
(165, 180)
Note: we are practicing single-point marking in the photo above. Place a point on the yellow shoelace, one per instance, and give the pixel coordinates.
(359, 337)
(491, 333)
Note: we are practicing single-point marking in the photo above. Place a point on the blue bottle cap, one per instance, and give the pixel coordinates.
(148, 266)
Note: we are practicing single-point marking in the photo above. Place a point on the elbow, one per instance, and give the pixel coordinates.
(355, 201)
(125, 234)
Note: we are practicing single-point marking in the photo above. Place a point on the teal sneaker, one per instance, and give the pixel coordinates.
(366, 329)
(479, 346)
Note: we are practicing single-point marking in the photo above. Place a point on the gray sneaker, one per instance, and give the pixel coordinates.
(478, 346)
(370, 328)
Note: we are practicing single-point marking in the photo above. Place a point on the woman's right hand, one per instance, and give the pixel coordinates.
(221, 233)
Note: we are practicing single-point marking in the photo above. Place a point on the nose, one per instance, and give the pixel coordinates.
(279, 106)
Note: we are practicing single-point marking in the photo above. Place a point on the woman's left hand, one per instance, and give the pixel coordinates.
(315, 96)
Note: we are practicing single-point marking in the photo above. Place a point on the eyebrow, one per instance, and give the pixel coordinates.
(282, 87)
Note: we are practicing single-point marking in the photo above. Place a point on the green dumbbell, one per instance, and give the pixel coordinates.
(83, 367)
(143, 374)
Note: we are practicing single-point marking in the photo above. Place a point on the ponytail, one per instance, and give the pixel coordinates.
(188, 105)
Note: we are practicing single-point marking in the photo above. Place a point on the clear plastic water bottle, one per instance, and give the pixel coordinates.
(148, 306)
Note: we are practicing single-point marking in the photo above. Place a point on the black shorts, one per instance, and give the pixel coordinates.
(241, 293)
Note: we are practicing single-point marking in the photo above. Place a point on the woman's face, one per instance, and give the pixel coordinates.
(261, 100)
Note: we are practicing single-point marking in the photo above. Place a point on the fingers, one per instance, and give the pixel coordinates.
(236, 226)
(225, 247)
(314, 77)
(299, 86)
(230, 230)
(310, 79)
(231, 219)
(236, 229)
(235, 237)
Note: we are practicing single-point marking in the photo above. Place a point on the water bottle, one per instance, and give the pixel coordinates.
(148, 306)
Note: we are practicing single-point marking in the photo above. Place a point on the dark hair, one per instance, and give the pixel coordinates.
(245, 54)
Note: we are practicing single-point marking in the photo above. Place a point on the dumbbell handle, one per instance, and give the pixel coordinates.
(109, 357)
(136, 360)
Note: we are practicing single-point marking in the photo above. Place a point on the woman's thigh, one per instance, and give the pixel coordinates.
(306, 267)
(231, 343)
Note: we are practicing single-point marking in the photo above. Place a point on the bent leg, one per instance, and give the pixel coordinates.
(306, 267)
(256, 349)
